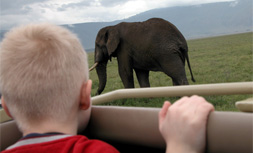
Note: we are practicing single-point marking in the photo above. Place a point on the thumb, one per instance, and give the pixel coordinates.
(163, 112)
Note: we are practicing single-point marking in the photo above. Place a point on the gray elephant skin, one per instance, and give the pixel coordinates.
(152, 45)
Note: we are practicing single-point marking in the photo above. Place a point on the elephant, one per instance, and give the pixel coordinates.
(152, 45)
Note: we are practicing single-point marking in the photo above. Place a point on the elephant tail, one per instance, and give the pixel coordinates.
(188, 62)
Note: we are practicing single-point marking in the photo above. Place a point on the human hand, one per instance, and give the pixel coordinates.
(183, 124)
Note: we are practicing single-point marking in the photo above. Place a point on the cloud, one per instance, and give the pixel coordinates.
(112, 3)
(16, 12)
(15, 7)
(75, 5)
(233, 4)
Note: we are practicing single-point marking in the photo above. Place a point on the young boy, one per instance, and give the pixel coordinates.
(45, 86)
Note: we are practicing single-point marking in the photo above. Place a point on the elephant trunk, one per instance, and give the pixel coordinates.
(102, 76)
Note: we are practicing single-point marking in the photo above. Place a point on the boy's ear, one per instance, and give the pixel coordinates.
(85, 100)
(5, 107)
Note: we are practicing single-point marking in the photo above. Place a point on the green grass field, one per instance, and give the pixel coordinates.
(213, 60)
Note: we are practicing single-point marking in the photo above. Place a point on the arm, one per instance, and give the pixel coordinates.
(183, 124)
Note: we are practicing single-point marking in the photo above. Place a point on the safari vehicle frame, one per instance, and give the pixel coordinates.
(135, 129)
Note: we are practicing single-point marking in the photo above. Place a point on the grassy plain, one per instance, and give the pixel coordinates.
(213, 60)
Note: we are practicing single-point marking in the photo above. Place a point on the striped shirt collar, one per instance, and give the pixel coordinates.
(35, 138)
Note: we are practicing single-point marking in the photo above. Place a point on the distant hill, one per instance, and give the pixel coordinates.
(207, 19)
(194, 21)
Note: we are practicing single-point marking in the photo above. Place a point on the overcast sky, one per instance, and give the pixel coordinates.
(16, 12)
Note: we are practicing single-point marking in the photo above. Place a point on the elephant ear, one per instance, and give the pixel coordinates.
(112, 41)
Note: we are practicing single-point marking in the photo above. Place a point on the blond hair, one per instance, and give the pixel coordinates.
(42, 68)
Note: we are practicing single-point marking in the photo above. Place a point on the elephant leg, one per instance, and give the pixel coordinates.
(126, 75)
(176, 70)
(143, 77)
(179, 77)
(179, 81)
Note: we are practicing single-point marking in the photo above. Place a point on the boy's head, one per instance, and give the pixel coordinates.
(43, 69)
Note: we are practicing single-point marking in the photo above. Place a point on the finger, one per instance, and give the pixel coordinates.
(205, 109)
(163, 112)
(180, 101)
(195, 101)
(188, 103)
(193, 104)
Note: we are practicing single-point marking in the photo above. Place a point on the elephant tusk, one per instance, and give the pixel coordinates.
(94, 66)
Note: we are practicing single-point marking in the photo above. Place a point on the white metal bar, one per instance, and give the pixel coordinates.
(205, 89)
